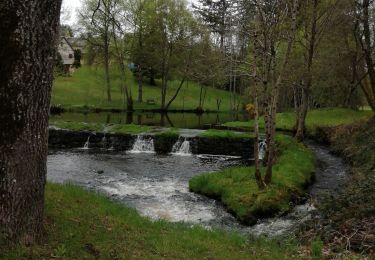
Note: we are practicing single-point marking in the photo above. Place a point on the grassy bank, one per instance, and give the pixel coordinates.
(83, 225)
(237, 188)
(85, 89)
(350, 216)
(315, 118)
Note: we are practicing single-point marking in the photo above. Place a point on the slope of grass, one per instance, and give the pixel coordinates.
(319, 117)
(83, 225)
(86, 89)
(237, 188)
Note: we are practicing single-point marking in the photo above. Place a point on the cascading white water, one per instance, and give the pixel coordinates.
(86, 145)
(143, 144)
(262, 147)
(181, 147)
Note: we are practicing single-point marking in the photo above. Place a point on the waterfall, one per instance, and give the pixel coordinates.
(262, 147)
(104, 141)
(143, 144)
(86, 145)
(181, 147)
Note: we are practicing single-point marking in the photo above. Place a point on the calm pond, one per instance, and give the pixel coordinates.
(180, 120)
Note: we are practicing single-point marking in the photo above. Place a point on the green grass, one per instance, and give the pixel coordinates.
(169, 133)
(84, 225)
(213, 133)
(319, 117)
(237, 189)
(85, 89)
(113, 128)
(129, 129)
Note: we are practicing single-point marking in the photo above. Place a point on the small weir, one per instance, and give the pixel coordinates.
(86, 146)
(143, 144)
(156, 183)
(262, 146)
(181, 147)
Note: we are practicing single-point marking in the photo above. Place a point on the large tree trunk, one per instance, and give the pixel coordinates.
(29, 31)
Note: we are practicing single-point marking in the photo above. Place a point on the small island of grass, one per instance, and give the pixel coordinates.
(237, 189)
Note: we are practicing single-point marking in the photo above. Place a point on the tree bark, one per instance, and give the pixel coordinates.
(302, 113)
(275, 95)
(140, 85)
(369, 86)
(106, 67)
(258, 176)
(29, 33)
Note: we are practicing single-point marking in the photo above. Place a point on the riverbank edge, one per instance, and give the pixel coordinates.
(59, 109)
(236, 187)
(349, 217)
(86, 225)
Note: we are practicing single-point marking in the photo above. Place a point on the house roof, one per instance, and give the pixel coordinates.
(66, 40)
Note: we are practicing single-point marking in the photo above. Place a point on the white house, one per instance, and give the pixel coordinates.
(67, 54)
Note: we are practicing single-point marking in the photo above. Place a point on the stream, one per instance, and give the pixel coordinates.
(157, 185)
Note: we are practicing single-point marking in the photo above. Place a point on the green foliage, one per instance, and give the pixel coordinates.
(59, 65)
(317, 250)
(77, 58)
(60, 251)
(237, 189)
(84, 225)
(213, 133)
(85, 90)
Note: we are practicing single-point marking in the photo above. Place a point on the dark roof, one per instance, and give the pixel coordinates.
(63, 37)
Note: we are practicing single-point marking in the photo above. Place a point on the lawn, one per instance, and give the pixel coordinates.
(237, 189)
(84, 225)
(85, 89)
(319, 117)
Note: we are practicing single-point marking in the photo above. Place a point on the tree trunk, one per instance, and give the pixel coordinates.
(140, 89)
(275, 95)
(258, 176)
(369, 89)
(29, 33)
(301, 117)
(106, 67)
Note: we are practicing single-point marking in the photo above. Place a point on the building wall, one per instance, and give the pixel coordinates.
(66, 52)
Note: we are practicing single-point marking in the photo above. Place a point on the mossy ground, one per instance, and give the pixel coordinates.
(237, 188)
(84, 225)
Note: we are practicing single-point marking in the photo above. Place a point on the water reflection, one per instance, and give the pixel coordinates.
(180, 120)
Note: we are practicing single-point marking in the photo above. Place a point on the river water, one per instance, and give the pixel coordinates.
(157, 185)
